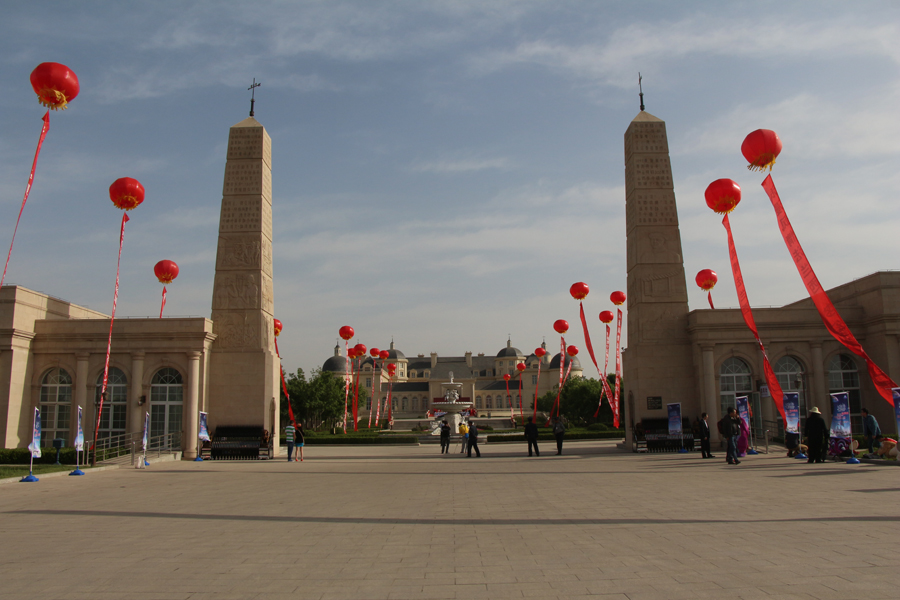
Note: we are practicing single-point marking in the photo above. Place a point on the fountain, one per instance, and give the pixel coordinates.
(451, 405)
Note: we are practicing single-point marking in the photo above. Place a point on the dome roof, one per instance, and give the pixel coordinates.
(509, 351)
(395, 354)
(337, 363)
(576, 364)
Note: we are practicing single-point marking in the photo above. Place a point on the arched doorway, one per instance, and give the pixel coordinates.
(56, 405)
(791, 378)
(166, 402)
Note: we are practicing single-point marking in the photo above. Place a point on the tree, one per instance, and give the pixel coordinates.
(318, 401)
(578, 401)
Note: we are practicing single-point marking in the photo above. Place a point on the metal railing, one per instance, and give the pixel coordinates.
(112, 448)
(160, 444)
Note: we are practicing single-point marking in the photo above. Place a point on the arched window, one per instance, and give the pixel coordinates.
(166, 402)
(843, 376)
(488, 403)
(791, 378)
(368, 404)
(56, 405)
(404, 404)
(478, 402)
(415, 404)
(734, 381)
(112, 419)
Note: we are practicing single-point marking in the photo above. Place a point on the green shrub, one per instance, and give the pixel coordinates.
(22, 456)
(597, 427)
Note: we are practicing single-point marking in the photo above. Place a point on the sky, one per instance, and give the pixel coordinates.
(444, 171)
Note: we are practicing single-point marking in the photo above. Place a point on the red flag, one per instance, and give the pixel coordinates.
(829, 314)
(771, 380)
(44, 129)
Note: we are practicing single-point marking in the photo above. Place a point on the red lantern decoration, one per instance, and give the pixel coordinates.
(126, 193)
(761, 148)
(506, 377)
(55, 85)
(707, 279)
(572, 350)
(520, 367)
(539, 352)
(723, 195)
(384, 355)
(561, 326)
(606, 316)
(375, 352)
(277, 325)
(360, 349)
(346, 332)
(579, 290)
(617, 298)
(166, 271)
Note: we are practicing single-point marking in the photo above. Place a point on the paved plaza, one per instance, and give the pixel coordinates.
(361, 522)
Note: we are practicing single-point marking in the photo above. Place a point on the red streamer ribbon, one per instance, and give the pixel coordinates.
(44, 129)
(536, 385)
(771, 380)
(615, 404)
(521, 409)
(283, 384)
(378, 408)
(356, 399)
(709, 297)
(161, 308)
(346, 382)
(112, 319)
(829, 314)
(603, 381)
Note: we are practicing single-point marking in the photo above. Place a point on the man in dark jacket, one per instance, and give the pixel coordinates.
(870, 429)
(445, 438)
(473, 441)
(704, 436)
(816, 433)
(531, 436)
(731, 429)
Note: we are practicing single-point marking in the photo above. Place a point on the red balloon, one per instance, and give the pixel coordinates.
(391, 368)
(707, 279)
(606, 316)
(572, 350)
(375, 352)
(55, 85)
(723, 195)
(761, 148)
(166, 271)
(539, 352)
(277, 324)
(520, 366)
(561, 326)
(506, 377)
(360, 349)
(346, 332)
(617, 298)
(351, 353)
(384, 354)
(126, 193)
(579, 290)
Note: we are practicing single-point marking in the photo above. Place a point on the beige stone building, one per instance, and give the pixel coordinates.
(705, 358)
(418, 381)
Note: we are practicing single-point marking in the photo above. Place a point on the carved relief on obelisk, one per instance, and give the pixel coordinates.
(243, 367)
(658, 359)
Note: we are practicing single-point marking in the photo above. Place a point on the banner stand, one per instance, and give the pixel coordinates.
(79, 445)
(77, 471)
(202, 434)
(34, 446)
(30, 478)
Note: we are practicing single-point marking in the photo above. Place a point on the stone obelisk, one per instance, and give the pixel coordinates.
(243, 374)
(658, 364)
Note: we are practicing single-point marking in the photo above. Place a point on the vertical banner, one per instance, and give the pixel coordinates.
(79, 434)
(743, 409)
(792, 412)
(840, 415)
(674, 411)
(145, 439)
(204, 428)
(35, 445)
(896, 394)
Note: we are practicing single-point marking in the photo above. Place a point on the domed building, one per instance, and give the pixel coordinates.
(418, 380)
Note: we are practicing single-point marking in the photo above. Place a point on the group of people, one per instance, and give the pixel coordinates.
(293, 435)
(469, 437)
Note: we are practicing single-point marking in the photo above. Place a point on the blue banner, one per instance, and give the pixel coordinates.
(146, 432)
(79, 435)
(743, 409)
(840, 415)
(896, 392)
(204, 429)
(674, 411)
(792, 412)
(35, 445)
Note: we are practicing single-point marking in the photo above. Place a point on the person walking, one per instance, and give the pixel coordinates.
(289, 438)
(704, 436)
(870, 429)
(559, 431)
(473, 441)
(816, 433)
(731, 429)
(464, 441)
(299, 440)
(531, 436)
(445, 438)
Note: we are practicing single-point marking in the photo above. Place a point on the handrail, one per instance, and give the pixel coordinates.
(128, 443)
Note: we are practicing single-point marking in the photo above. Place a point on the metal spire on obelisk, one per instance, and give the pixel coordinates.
(252, 90)
(640, 89)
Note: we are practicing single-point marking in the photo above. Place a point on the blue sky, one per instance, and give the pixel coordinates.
(443, 171)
